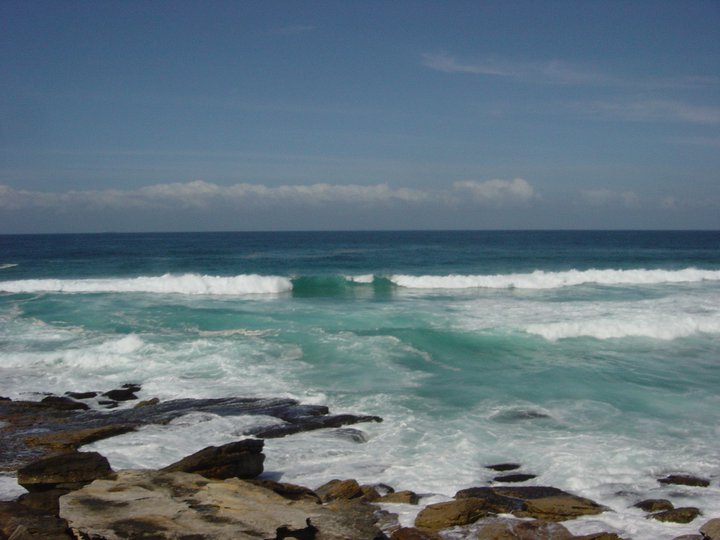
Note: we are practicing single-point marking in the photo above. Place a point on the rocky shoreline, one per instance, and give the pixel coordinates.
(219, 492)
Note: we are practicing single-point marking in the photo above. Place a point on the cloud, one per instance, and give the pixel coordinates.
(206, 196)
(549, 72)
(606, 197)
(497, 192)
(200, 194)
(655, 110)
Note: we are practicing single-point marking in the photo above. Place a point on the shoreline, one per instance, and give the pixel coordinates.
(36, 431)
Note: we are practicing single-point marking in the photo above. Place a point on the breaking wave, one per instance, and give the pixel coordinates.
(554, 280)
(193, 284)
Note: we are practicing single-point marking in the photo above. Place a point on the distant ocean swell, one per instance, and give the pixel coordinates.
(244, 284)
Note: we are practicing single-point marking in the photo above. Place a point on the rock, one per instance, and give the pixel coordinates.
(411, 533)
(67, 440)
(539, 502)
(288, 491)
(43, 501)
(147, 403)
(515, 529)
(502, 467)
(689, 537)
(340, 489)
(28, 424)
(559, 508)
(452, 513)
(677, 515)
(514, 478)
(71, 469)
(58, 402)
(22, 523)
(81, 395)
(684, 480)
(240, 459)
(152, 504)
(654, 505)
(400, 497)
(121, 394)
(711, 529)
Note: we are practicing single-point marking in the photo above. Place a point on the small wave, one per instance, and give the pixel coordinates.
(554, 280)
(192, 284)
(667, 328)
(363, 279)
(5, 266)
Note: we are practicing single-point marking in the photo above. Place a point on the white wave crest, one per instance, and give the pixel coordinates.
(193, 284)
(363, 279)
(554, 280)
(665, 328)
(7, 265)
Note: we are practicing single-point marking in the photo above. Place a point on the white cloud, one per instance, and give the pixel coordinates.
(497, 192)
(606, 197)
(202, 195)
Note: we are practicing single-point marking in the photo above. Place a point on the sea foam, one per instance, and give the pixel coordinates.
(553, 280)
(192, 284)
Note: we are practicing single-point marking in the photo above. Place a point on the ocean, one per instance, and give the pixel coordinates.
(591, 358)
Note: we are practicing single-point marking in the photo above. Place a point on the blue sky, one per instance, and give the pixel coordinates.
(219, 115)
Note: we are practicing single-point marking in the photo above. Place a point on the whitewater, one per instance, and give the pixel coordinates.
(591, 358)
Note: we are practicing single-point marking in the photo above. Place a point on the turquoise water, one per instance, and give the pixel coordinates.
(593, 358)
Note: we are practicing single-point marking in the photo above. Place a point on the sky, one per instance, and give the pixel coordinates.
(186, 115)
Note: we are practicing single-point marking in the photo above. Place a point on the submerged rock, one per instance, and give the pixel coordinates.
(240, 459)
(685, 480)
(678, 515)
(514, 478)
(654, 505)
(400, 497)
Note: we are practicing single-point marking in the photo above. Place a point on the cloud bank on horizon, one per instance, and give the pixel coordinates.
(167, 116)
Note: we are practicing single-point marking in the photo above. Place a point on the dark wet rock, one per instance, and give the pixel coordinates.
(121, 394)
(3, 398)
(684, 480)
(340, 489)
(654, 505)
(64, 403)
(711, 529)
(518, 415)
(459, 512)
(147, 403)
(291, 492)
(370, 494)
(503, 467)
(411, 533)
(677, 515)
(20, 440)
(68, 440)
(514, 478)
(108, 404)
(539, 502)
(70, 469)
(689, 537)
(349, 434)
(299, 424)
(81, 395)
(400, 497)
(22, 523)
(46, 501)
(240, 459)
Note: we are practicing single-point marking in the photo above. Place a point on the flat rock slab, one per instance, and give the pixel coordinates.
(159, 505)
(33, 429)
